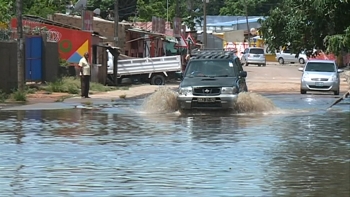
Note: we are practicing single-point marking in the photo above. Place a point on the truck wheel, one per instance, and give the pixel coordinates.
(158, 80)
(126, 81)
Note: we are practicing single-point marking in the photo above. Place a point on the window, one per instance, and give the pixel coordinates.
(211, 68)
(257, 51)
(320, 67)
(286, 51)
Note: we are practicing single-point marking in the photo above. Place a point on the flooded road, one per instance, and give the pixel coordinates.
(301, 150)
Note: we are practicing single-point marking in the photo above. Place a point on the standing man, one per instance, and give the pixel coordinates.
(85, 73)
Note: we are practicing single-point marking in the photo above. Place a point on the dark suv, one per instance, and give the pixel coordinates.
(211, 81)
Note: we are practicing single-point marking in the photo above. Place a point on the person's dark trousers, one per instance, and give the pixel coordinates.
(85, 85)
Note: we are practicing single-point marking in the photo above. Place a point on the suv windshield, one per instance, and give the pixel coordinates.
(257, 51)
(320, 67)
(210, 68)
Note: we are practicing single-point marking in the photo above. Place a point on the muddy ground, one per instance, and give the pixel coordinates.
(272, 79)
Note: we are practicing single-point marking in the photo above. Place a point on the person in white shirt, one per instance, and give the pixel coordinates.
(85, 73)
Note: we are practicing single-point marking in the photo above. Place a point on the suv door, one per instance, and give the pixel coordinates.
(244, 56)
(241, 82)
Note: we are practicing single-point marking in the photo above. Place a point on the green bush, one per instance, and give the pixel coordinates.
(3, 96)
(19, 95)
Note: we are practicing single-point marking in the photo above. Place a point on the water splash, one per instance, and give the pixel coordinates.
(248, 102)
(161, 101)
(164, 101)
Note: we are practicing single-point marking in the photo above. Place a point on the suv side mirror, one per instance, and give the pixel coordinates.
(340, 71)
(301, 69)
(179, 75)
(243, 74)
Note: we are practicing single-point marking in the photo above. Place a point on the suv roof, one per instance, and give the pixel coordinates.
(212, 54)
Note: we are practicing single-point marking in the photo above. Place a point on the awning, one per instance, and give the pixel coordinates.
(141, 31)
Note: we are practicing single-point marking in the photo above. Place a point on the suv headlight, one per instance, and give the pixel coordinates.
(185, 90)
(228, 90)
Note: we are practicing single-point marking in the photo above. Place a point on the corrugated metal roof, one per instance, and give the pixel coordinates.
(235, 22)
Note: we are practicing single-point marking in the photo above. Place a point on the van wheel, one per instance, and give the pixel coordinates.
(281, 60)
(158, 80)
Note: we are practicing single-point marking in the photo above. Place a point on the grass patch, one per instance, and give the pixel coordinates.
(72, 85)
(3, 96)
(19, 95)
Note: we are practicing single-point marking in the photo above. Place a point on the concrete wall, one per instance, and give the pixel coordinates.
(8, 68)
(103, 27)
(50, 61)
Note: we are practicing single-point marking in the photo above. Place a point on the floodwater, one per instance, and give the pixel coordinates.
(298, 149)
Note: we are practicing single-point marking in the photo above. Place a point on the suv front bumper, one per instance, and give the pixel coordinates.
(221, 102)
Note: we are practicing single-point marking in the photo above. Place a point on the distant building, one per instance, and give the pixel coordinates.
(220, 24)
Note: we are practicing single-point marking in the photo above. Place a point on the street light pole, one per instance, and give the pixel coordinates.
(205, 23)
(20, 66)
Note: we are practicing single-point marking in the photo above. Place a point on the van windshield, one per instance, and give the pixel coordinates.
(320, 67)
(256, 51)
(210, 68)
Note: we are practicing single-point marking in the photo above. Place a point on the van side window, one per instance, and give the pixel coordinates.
(246, 50)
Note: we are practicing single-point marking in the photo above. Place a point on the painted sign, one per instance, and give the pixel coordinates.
(72, 43)
(87, 18)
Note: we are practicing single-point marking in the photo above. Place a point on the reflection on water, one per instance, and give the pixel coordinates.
(113, 152)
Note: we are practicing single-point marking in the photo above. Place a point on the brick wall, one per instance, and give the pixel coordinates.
(103, 27)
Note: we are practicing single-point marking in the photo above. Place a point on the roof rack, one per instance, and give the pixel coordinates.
(211, 54)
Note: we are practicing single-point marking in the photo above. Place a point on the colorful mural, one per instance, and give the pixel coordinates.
(72, 43)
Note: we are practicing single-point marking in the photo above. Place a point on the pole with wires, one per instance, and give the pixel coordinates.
(116, 39)
(20, 46)
(205, 23)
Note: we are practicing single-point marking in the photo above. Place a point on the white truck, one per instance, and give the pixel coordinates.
(153, 70)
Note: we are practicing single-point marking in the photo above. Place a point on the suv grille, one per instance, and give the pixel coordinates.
(206, 91)
(319, 79)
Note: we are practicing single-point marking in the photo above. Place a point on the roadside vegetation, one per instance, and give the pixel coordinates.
(69, 85)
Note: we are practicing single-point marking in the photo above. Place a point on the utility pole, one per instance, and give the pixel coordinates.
(246, 18)
(20, 66)
(116, 39)
(205, 23)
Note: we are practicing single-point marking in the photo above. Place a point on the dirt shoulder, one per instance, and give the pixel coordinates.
(272, 79)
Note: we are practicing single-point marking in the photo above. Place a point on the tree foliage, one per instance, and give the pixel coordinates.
(254, 7)
(300, 24)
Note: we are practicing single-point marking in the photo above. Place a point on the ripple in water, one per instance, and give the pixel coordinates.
(164, 101)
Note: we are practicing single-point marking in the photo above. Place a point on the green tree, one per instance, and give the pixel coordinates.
(309, 24)
(6, 7)
(254, 7)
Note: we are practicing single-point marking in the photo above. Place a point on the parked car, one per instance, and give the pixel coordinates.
(211, 82)
(254, 55)
(285, 56)
(320, 75)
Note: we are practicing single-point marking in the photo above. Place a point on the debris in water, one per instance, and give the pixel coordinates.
(161, 101)
(248, 102)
